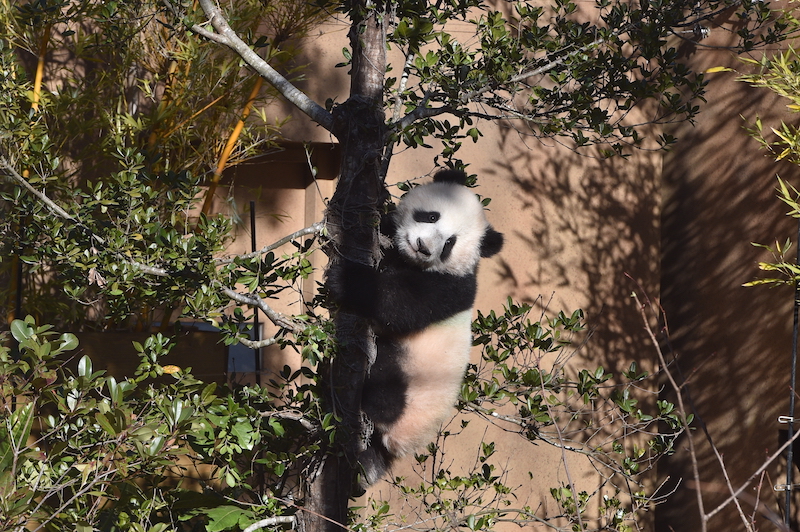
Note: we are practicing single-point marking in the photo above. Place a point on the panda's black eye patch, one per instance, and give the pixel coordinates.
(426, 217)
(447, 248)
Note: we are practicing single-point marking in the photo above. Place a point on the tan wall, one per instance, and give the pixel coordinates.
(733, 342)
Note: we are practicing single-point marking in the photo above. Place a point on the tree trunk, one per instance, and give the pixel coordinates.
(353, 219)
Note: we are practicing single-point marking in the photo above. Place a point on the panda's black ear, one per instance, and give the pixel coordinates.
(450, 176)
(491, 243)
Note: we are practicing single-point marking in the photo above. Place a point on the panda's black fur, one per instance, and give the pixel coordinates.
(419, 302)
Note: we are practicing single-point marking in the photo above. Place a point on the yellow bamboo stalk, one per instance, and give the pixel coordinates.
(36, 98)
(37, 80)
(228, 149)
(195, 115)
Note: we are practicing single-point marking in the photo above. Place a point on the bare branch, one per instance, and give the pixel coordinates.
(398, 100)
(258, 344)
(150, 270)
(228, 37)
(254, 300)
(315, 228)
(774, 456)
(271, 521)
(681, 408)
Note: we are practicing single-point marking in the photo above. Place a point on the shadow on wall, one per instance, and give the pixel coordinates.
(591, 236)
(732, 342)
(591, 231)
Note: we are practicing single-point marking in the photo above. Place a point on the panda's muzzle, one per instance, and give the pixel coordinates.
(421, 248)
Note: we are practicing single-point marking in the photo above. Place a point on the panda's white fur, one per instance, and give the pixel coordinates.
(419, 302)
(435, 361)
(461, 215)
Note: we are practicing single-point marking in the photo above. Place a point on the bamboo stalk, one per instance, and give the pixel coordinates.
(37, 80)
(16, 271)
(228, 149)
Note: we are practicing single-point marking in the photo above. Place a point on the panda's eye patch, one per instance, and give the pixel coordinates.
(426, 217)
(447, 248)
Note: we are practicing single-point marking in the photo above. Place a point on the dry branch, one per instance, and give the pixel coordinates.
(225, 35)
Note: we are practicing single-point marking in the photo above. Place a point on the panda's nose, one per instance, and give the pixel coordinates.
(422, 248)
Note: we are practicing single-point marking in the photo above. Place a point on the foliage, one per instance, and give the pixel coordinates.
(779, 73)
(121, 138)
(548, 71)
(158, 451)
(164, 451)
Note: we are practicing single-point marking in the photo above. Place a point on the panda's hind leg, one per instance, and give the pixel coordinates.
(375, 461)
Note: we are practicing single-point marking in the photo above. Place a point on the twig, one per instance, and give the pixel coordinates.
(254, 300)
(681, 407)
(757, 472)
(271, 521)
(730, 487)
(312, 229)
(575, 495)
(679, 393)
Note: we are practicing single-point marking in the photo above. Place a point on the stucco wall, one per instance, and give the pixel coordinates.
(732, 342)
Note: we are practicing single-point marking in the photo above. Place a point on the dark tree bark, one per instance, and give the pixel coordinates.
(353, 218)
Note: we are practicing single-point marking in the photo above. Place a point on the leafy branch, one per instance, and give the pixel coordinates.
(253, 300)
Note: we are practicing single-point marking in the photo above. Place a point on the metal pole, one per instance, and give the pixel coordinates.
(787, 514)
(257, 353)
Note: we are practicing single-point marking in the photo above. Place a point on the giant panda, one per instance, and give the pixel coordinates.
(419, 304)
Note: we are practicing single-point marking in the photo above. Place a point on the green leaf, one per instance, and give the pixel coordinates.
(85, 366)
(21, 331)
(68, 342)
(228, 517)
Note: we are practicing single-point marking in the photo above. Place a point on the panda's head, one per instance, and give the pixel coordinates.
(442, 227)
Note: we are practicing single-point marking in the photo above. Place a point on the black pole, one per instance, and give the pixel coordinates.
(787, 514)
(257, 352)
(18, 296)
(15, 353)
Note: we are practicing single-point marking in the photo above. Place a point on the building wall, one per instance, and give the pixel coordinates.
(732, 342)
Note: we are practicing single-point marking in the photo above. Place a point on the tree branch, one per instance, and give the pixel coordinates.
(417, 114)
(293, 415)
(225, 35)
(398, 100)
(200, 30)
(315, 228)
(271, 521)
(51, 205)
(254, 300)
(258, 344)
